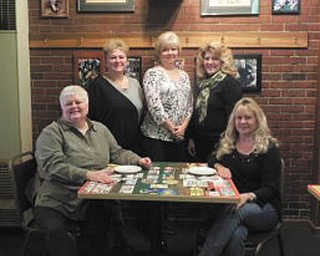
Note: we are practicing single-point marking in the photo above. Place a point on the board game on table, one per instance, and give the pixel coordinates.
(164, 181)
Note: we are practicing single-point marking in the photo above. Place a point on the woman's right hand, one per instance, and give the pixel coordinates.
(175, 131)
(191, 147)
(169, 125)
(101, 176)
(223, 172)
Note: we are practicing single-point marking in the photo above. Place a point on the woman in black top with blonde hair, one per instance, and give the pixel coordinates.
(248, 154)
(216, 92)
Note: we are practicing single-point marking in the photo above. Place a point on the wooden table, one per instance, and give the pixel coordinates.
(164, 182)
(314, 190)
(169, 182)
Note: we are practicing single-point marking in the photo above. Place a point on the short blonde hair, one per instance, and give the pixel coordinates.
(166, 39)
(71, 90)
(221, 52)
(115, 44)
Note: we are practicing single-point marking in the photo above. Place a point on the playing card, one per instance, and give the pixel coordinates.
(159, 185)
(126, 189)
(131, 181)
(102, 188)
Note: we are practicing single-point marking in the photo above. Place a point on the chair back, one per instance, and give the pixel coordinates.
(22, 167)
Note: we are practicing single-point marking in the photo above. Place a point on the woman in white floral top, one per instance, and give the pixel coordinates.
(170, 102)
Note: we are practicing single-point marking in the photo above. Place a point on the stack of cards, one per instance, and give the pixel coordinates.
(95, 187)
(128, 186)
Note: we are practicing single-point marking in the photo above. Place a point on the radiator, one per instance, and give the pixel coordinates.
(9, 215)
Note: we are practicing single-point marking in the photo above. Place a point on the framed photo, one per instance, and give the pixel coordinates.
(54, 8)
(180, 63)
(249, 71)
(285, 6)
(87, 65)
(105, 5)
(229, 7)
(134, 68)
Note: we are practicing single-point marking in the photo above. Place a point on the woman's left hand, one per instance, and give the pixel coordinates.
(145, 162)
(178, 132)
(244, 198)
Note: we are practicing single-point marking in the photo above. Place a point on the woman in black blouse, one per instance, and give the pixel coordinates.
(216, 92)
(116, 99)
(249, 155)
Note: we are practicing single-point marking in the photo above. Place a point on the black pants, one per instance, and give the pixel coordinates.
(204, 147)
(164, 151)
(133, 218)
(56, 226)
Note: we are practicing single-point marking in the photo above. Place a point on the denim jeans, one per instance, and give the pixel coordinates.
(229, 231)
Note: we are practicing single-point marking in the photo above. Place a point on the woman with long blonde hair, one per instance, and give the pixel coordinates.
(248, 154)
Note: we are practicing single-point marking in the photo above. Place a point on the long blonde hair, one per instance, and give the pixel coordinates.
(262, 135)
(223, 53)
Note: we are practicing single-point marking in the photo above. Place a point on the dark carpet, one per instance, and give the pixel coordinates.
(299, 239)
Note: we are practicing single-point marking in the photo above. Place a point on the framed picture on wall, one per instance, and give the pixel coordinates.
(229, 7)
(249, 71)
(54, 8)
(180, 63)
(285, 6)
(87, 65)
(134, 68)
(105, 6)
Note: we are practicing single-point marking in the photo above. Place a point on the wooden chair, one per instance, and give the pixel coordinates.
(256, 242)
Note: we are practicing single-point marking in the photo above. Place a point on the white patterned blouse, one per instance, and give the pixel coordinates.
(166, 99)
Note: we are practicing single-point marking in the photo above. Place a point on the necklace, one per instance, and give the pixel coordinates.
(245, 147)
(121, 84)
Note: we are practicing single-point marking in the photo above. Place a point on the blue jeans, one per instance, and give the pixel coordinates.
(229, 231)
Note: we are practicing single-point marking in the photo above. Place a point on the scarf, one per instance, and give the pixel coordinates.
(205, 86)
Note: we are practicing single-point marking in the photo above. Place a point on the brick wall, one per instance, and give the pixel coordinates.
(289, 76)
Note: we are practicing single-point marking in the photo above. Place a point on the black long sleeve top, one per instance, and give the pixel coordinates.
(221, 101)
(257, 173)
(110, 107)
